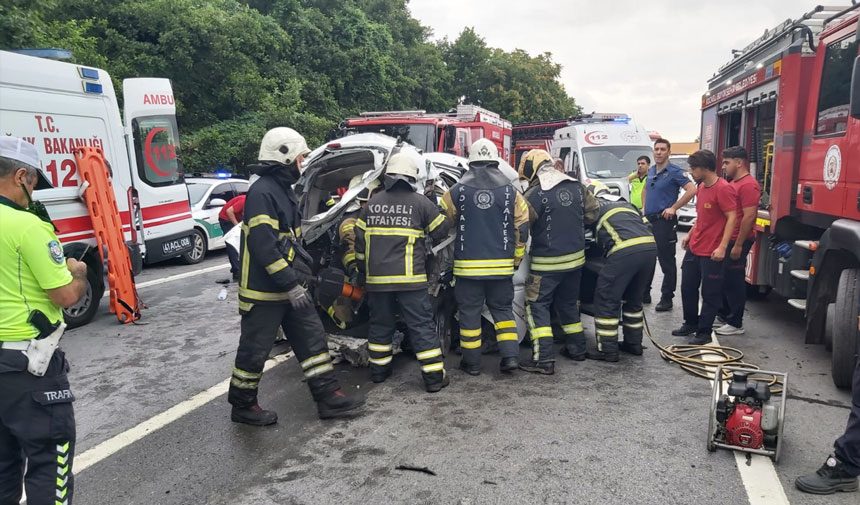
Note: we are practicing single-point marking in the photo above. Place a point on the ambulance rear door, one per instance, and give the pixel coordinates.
(156, 167)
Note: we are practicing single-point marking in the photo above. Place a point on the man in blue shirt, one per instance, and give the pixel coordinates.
(660, 202)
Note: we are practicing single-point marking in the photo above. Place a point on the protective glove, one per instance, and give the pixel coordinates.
(300, 298)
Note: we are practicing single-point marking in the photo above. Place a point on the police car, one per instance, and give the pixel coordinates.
(207, 196)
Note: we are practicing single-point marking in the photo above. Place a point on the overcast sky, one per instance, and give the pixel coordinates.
(650, 59)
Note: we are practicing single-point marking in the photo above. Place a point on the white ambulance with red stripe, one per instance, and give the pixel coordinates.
(59, 106)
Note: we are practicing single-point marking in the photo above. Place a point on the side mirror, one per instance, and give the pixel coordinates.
(451, 137)
(855, 89)
(217, 202)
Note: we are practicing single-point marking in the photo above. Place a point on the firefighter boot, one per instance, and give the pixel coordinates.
(574, 345)
(631, 348)
(434, 386)
(830, 478)
(541, 367)
(254, 416)
(608, 351)
(509, 364)
(470, 368)
(336, 404)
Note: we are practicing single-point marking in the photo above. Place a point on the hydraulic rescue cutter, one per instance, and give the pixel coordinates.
(748, 411)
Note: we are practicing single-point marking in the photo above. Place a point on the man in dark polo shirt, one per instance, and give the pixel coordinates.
(660, 202)
(707, 248)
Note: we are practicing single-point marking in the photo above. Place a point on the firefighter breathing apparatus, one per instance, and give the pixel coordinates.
(747, 410)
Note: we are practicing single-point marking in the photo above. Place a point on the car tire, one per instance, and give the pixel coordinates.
(846, 336)
(830, 323)
(198, 248)
(85, 310)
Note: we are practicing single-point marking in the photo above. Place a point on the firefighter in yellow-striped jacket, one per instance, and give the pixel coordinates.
(630, 251)
(558, 204)
(491, 220)
(390, 248)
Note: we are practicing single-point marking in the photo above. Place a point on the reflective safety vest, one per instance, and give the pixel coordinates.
(621, 229)
(491, 225)
(557, 231)
(636, 186)
(390, 238)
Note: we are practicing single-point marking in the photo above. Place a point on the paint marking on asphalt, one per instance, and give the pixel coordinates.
(759, 477)
(177, 277)
(126, 438)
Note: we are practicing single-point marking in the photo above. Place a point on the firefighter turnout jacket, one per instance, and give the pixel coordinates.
(491, 219)
(271, 229)
(620, 229)
(346, 241)
(390, 236)
(557, 207)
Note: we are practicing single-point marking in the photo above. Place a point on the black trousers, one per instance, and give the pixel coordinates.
(735, 286)
(696, 272)
(666, 236)
(545, 290)
(471, 294)
(417, 312)
(848, 445)
(232, 254)
(304, 332)
(37, 431)
(620, 286)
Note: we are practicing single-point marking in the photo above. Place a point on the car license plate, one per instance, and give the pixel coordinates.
(178, 245)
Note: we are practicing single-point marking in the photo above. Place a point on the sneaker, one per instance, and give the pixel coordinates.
(254, 415)
(436, 387)
(575, 357)
(719, 321)
(686, 330)
(509, 364)
(700, 339)
(337, 404)
(541, 367)
(728, 329)
(830, 478)
(665, 305)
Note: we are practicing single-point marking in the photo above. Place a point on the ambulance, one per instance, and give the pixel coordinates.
(602, 147)
(59, 106)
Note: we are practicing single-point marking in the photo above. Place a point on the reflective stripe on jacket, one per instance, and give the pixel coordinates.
(621, 228)
(557, 230)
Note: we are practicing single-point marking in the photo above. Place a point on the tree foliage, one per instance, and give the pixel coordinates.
(239, 67)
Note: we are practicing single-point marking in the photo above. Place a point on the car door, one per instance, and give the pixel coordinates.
(223, 191)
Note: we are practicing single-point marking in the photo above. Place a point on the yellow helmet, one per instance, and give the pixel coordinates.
(531, 162)
(597, 188)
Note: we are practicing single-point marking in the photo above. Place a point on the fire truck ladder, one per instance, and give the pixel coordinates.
(98, 193)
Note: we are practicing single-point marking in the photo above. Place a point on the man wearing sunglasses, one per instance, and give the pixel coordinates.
(660, 202)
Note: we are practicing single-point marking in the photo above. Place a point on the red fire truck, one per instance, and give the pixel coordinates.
(452, 132)
(793, 98)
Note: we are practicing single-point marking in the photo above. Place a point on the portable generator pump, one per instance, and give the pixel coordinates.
(748, 416)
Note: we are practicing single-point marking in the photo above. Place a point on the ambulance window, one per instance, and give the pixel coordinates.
(835, 95)
(156, 142)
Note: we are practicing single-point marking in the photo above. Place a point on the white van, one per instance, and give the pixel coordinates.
(59, 106)
(602, 147)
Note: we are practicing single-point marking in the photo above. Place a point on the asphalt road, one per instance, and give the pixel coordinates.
(630, 432)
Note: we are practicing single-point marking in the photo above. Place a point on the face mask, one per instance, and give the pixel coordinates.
(37, 208)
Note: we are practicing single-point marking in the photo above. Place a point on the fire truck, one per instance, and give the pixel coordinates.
(58, 107)
(792, 97)
(452, 132)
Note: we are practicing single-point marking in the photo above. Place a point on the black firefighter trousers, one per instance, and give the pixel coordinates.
(417, 312)
(847, 446)
(37, 430)
(622, 279)
(545, 290)
(471, 294)
(304, 332)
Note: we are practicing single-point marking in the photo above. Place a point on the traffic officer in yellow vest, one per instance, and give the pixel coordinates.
(558, 204)
(390, 246)
(346, 230)
(271, 290)
(630, 251)
(37, 421)
(491, 221)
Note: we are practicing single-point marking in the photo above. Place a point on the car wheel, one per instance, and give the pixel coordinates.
(846, 336)
(198, 248)
(85, 310)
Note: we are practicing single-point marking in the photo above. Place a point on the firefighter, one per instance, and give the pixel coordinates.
(491, 220)
(630, 251)
(557, 206)
(346, 230)
(390, 248)
(271, 291)
(37, 420)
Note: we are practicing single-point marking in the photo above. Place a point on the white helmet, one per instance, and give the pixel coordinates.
(283, 145)
(402, 164)
(483, 150)
(364, 195)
